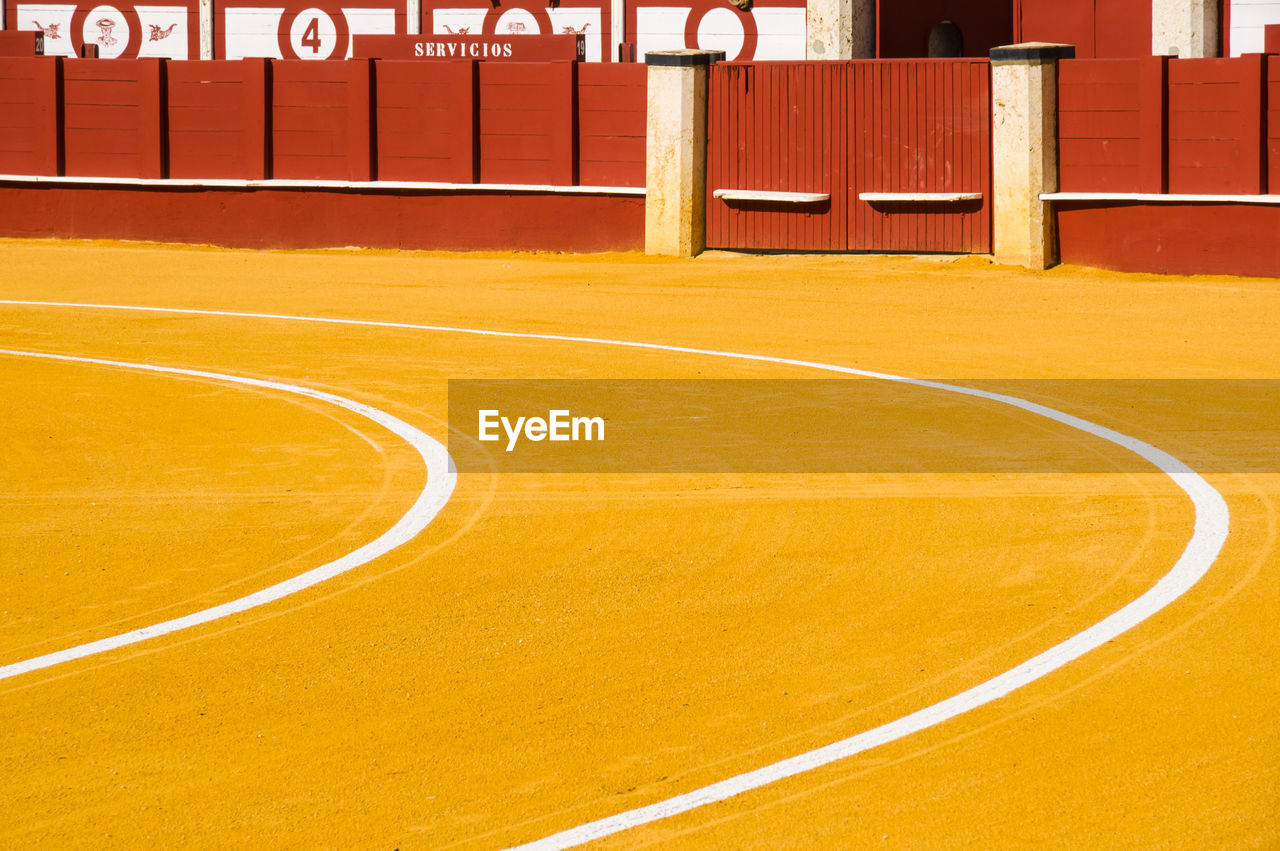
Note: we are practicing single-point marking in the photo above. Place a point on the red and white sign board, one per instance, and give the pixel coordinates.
(588, 18)
(773, 29)
(302, 29)
(121, 30)
(492, 48)
(770, 29)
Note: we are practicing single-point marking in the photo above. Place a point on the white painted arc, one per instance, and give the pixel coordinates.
(1212, 523)
(435, 493)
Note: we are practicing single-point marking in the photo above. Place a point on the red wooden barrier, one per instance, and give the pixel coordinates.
(321, 120)
(921, 127)
(778, 126)
(528, 123)
(1273, 124)
(15, 43)
(1102, 29)
(842, 129)
(218, 119)
(114, 118)
(29, 127)
(1111, 125)
(611, 124)
(1215, 126)
(426, 113)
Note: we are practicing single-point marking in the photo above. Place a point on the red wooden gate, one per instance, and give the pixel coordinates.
(873, 155)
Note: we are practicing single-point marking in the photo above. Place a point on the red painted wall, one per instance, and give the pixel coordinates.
(113, 118)
(456, 122)
(278, 218)
(903, 27)
(466, 122)
(1184, 126)
(29, 128)
(1101, 29)
(218, 119)
(1184, 239)
(321, 120)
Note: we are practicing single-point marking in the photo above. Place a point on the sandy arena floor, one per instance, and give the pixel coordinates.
(558, 648)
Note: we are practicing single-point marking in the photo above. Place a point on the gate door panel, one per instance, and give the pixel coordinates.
(777, 127)
(873, 155)
(921, 131)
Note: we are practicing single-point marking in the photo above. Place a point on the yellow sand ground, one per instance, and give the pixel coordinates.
(558, 648)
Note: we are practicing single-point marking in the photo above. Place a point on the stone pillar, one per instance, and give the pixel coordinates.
(841, 29)
(675, 172)
(1024, 151)
(1185, 28)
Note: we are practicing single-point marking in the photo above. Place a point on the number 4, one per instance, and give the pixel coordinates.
(311, 36)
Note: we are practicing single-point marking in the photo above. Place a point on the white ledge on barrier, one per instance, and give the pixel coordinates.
(366, 185)
(778, 197)
(920, 197)
(1152, 198)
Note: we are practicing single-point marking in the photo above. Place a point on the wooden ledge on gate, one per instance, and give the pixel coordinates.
(919, 197)
(773, 197)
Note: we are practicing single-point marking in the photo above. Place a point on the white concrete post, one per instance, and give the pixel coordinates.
(675, 173)
(206, 29)
(1024, 151)
(413, 17)
(1185, 28)
(840, 29)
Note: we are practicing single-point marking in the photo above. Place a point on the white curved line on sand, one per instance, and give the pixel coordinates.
(435, 493)
(1212, 522)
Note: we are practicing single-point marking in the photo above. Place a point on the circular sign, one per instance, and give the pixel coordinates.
(721, 28)
(313, 34)
(517, 20)
(116, 33)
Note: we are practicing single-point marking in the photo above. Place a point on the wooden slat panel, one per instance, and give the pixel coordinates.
(520, 137)
(1273, 124)
(218, 119)
(611, 124)
(1099, 103)
(426, 120)
(846, 128)
(114, 118)
(777, 126)
(1215, 135)
(921, 127)
(321, 120)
